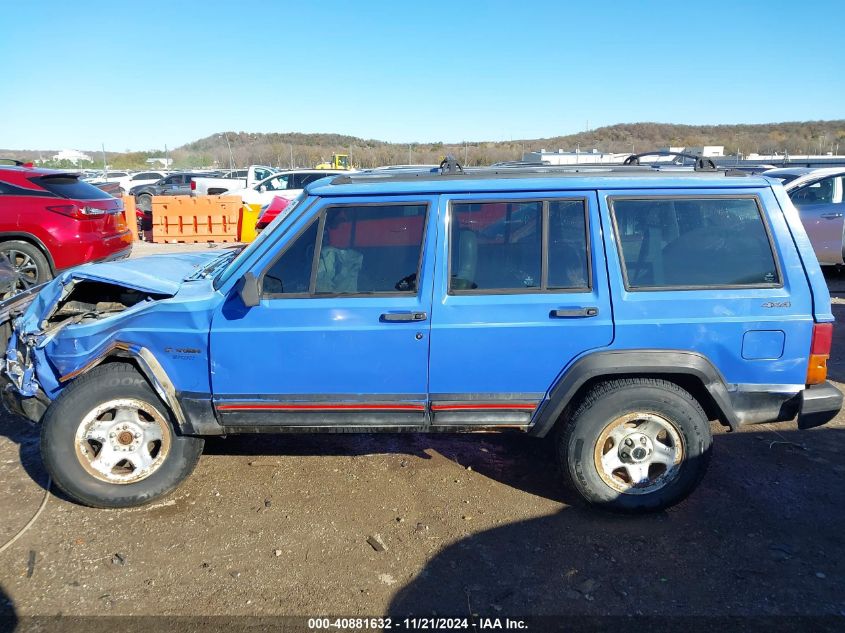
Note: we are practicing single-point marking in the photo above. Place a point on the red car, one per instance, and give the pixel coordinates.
(51, 220)
(270, 211)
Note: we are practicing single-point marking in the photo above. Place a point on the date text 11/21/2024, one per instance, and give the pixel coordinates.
(416, 623)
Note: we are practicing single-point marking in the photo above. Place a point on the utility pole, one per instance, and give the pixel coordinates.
(105, 168)
(409, 153)
(465, 153)
(291, 155)
(231, 158)
(166, 162)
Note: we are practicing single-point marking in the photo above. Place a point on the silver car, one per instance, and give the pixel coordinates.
(818, 196)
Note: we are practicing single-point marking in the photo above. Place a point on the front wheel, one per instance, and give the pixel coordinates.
(635, 445)
(108, 441)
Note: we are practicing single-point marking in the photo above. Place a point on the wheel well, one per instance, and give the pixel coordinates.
(29, 239)
(133, 362)
(688, 382)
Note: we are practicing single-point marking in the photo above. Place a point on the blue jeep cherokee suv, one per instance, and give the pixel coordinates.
(615, 311)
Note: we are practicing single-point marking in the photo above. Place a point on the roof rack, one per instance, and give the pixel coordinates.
(522, 170)
(702, 163)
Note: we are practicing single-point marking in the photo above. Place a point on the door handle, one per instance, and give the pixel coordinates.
(831, 216)
(574, 313)
(400, 317)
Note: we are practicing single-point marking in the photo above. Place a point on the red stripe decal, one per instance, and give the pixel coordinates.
(484, 405)
(321, 407)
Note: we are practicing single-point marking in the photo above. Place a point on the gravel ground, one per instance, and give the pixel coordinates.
(418, 524)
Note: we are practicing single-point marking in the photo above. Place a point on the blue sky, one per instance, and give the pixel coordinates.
(142, 74)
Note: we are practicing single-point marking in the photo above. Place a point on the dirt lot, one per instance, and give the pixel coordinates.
(274, 525)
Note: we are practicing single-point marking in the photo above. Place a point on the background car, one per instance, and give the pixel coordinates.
(270, 211)
(178, 184)
(286, 184)
(819, 196)
(141, 178)
(51, 220)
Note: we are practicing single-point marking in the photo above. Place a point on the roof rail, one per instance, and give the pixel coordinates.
(702, 163)
(513, 171)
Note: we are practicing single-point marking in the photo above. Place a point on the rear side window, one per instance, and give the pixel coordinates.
(693, 243)
(518, 246)
(70, 187)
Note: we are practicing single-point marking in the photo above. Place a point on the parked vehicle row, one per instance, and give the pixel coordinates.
(238, 179)
(51, 220)
(541, 301)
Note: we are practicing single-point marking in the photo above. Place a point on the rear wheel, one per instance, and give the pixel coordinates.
(145, 202)
(108, 441)
(29, 263)
(635, 445)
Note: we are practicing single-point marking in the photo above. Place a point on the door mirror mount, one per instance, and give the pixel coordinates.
(248, 290)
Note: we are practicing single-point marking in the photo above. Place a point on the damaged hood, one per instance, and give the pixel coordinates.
(156, 274)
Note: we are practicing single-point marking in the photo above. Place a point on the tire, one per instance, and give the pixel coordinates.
(145, 436)
(655, 432)
(145, 202)
(28, 261)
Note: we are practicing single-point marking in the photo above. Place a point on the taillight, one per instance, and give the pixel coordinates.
(76, 211)
(193, 186)
(819, 353)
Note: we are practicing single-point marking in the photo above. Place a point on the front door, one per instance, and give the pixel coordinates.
(341, 334)
(525, 292)
(822, 209)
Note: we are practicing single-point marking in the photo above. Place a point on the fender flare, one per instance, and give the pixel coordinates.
(637, 361)
(151, 369)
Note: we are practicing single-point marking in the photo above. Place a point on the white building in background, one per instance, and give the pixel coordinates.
(160, 162)
(72, 155)
(561, 157)
(594, 156)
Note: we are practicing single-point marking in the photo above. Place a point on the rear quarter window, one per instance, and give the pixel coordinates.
(70, 187)
(689, 242)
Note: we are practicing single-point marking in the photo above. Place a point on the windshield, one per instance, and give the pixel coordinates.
(209, 269)
(259, 241)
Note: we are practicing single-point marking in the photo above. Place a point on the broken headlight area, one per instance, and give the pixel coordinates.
(79, 302)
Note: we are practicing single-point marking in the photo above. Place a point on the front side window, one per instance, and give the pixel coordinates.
(367, 249)
(518, 246)
(355, 250)
(693, 242)
(279, 183)
(291, 273)
(261, 174)
(825, 191)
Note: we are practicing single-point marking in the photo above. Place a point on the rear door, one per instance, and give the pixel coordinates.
(521, 291)
(822, 210)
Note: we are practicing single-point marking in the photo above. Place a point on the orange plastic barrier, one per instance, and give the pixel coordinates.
(129, 216)
(196, 219)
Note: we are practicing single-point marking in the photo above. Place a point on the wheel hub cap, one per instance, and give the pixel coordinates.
(122, 441)
(639, 453)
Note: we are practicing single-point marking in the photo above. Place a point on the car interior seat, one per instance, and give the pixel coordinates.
(465, 260)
